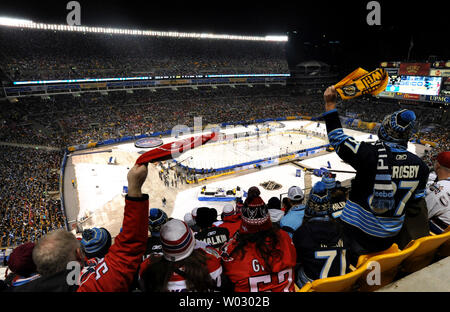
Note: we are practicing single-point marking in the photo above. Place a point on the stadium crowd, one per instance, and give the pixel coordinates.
(28, 210)
(254, 246)
(64, 120)
(46, 55)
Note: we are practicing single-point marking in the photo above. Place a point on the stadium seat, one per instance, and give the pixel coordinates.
(389, 262)
(343, 283)
(424, 254)
(444, 249)
(363, 258)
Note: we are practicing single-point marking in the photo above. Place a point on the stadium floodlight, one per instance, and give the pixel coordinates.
(14, 22)
(9, 21)
(276, 38)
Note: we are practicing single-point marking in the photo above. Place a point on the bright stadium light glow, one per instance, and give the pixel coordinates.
(8, 21)
(276, 38)
(14, 22)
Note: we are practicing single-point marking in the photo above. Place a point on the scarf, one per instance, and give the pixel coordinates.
(382, 198)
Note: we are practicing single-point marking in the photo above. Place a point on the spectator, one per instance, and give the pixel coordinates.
(438, 195)
(23, 269)
(56, 250)
(286, 204)
(156, 219)
(274, 208)
(319, 241)
(375, 211)
(96, 242)
(231, 220)
(189, 220)
(338, 194)
(211, 235)
(184, 266)
(260, 252)
(293, 218)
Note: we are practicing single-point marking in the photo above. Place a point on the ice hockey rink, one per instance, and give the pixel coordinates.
(99, 186)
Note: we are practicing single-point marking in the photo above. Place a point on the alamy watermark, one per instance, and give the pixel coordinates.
(374, 16)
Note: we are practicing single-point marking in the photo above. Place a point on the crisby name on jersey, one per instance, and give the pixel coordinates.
(401, 172)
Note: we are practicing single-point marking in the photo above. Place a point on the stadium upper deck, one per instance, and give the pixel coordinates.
(45, 54)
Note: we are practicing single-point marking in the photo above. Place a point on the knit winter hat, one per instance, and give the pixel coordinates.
(21, 260)
(189, 220)
(177, 240)
(319, 201)
(156, 218)
(329, 180)
(228, 210)
(255, 215)
(397, 127)
(194, 213)
(96, 242)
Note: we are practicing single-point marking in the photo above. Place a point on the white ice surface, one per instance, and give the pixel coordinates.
(97, 187)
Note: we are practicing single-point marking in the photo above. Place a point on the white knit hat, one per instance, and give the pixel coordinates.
(177, 240)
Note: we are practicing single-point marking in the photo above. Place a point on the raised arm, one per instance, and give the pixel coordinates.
(115, 272)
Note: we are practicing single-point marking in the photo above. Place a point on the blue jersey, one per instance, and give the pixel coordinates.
(321, 248)
(408, 173)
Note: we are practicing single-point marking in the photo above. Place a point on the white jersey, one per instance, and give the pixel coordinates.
(438, 200)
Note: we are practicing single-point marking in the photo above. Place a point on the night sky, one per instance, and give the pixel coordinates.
(311, 25)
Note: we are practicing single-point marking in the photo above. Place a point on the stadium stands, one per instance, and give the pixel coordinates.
(32, 54)
(30, 176)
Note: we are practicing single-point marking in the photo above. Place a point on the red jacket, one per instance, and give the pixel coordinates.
(231, 223)
(115, 272)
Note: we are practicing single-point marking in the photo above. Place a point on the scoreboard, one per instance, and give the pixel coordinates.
(423, 85)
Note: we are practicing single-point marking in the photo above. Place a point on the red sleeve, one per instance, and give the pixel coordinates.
(116, 271)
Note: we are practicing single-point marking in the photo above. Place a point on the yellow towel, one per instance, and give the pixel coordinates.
(360, 82)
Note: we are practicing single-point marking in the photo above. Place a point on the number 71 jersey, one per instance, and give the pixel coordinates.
(249, 273)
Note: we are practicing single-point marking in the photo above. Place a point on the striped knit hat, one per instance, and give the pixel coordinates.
(397, 127)
(177, 240)
(319, 201)
(329, 180)
(255, 215)
(96, 242)
(228, 210)
(156, 218)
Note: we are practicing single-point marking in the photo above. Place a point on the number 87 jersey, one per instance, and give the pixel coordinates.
(385, 167)
(248, 271)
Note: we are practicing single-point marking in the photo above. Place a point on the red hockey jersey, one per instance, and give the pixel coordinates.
(249, 275)
(231, 223)
(115, 272)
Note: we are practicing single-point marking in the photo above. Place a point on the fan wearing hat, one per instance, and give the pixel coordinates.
(258, 251)
(390, 181)
(96, 242)
(183, 265)
(231, 220)
(319, 236)
(20, 263)
(275, 212)
(209, 234)
(156, 219)
(438, 195)
(338, 194)
(293, 218)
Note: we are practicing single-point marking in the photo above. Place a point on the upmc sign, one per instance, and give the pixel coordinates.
(414, 69)
(437, 98)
